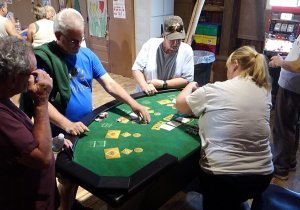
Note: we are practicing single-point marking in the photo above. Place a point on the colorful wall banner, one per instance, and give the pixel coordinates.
(76, 5)
(69, 3)
(97, 13)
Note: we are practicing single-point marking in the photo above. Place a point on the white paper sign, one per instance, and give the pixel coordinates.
(119, 9)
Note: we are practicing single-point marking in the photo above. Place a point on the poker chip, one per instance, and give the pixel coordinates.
(103, 115)
(136, 135)
(138, 150)
(126, 151)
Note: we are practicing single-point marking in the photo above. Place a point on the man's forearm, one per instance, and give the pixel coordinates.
(42, 132)
(121, 95)
(177, 82)
(293, 66)
(140, 78)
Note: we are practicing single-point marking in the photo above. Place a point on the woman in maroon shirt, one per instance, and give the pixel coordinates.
(27, 165)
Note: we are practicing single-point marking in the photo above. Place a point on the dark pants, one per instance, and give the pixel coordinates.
(286, 130)
(228, 192)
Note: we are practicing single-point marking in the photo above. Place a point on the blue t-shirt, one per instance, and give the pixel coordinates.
(82, 67)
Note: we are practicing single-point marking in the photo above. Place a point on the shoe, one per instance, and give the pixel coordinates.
(280, 176)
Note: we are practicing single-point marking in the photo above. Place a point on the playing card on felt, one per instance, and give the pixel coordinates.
(157, 125)
(165, 101)
(125, 134)
(113, 134)
(111, 153)
(167, 127)
(182, 119)
(126, 151)
(123, 120)
(173, 123)
(169, 117)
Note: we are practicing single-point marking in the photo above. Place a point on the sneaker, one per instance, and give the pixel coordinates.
(280, 176)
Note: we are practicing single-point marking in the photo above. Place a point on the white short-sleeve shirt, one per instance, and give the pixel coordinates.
(290, 80)
(234, 126)
(146, 61)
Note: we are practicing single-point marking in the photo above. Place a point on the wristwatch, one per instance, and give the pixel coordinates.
(165, 85)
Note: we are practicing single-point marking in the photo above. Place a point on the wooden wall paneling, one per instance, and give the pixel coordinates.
(23, 11)
(229, 27)
(184, 9)
(100, 48)
(251, 20)
(121, 40)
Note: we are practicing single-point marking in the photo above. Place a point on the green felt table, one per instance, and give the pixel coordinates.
(89, 150)
(168, 162)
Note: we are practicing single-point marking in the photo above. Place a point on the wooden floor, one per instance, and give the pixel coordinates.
(182, 200)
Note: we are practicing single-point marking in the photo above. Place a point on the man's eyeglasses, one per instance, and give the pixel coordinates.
(73, 41)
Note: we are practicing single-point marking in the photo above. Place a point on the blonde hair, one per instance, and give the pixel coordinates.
(50, 12)
(39, 12)
(252, 64)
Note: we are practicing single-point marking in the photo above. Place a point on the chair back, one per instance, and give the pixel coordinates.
(277, 198)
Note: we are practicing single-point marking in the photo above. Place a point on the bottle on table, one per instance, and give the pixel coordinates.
(58, 143)
(18, 26)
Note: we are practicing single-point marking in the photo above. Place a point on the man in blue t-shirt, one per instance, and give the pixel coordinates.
(73, 68)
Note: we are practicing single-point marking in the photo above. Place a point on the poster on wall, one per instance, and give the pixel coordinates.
(97, 13)
(119, 9)
(76, 5)
(69, 3)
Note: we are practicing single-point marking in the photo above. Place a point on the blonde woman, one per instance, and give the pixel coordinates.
(41, 31)
(50, 12)
(236, 160)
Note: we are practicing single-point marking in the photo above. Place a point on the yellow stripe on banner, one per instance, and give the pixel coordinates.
(69, 3)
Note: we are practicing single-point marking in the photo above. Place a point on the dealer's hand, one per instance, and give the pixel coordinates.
(141, 112)
(149, 89)
(76, 128)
